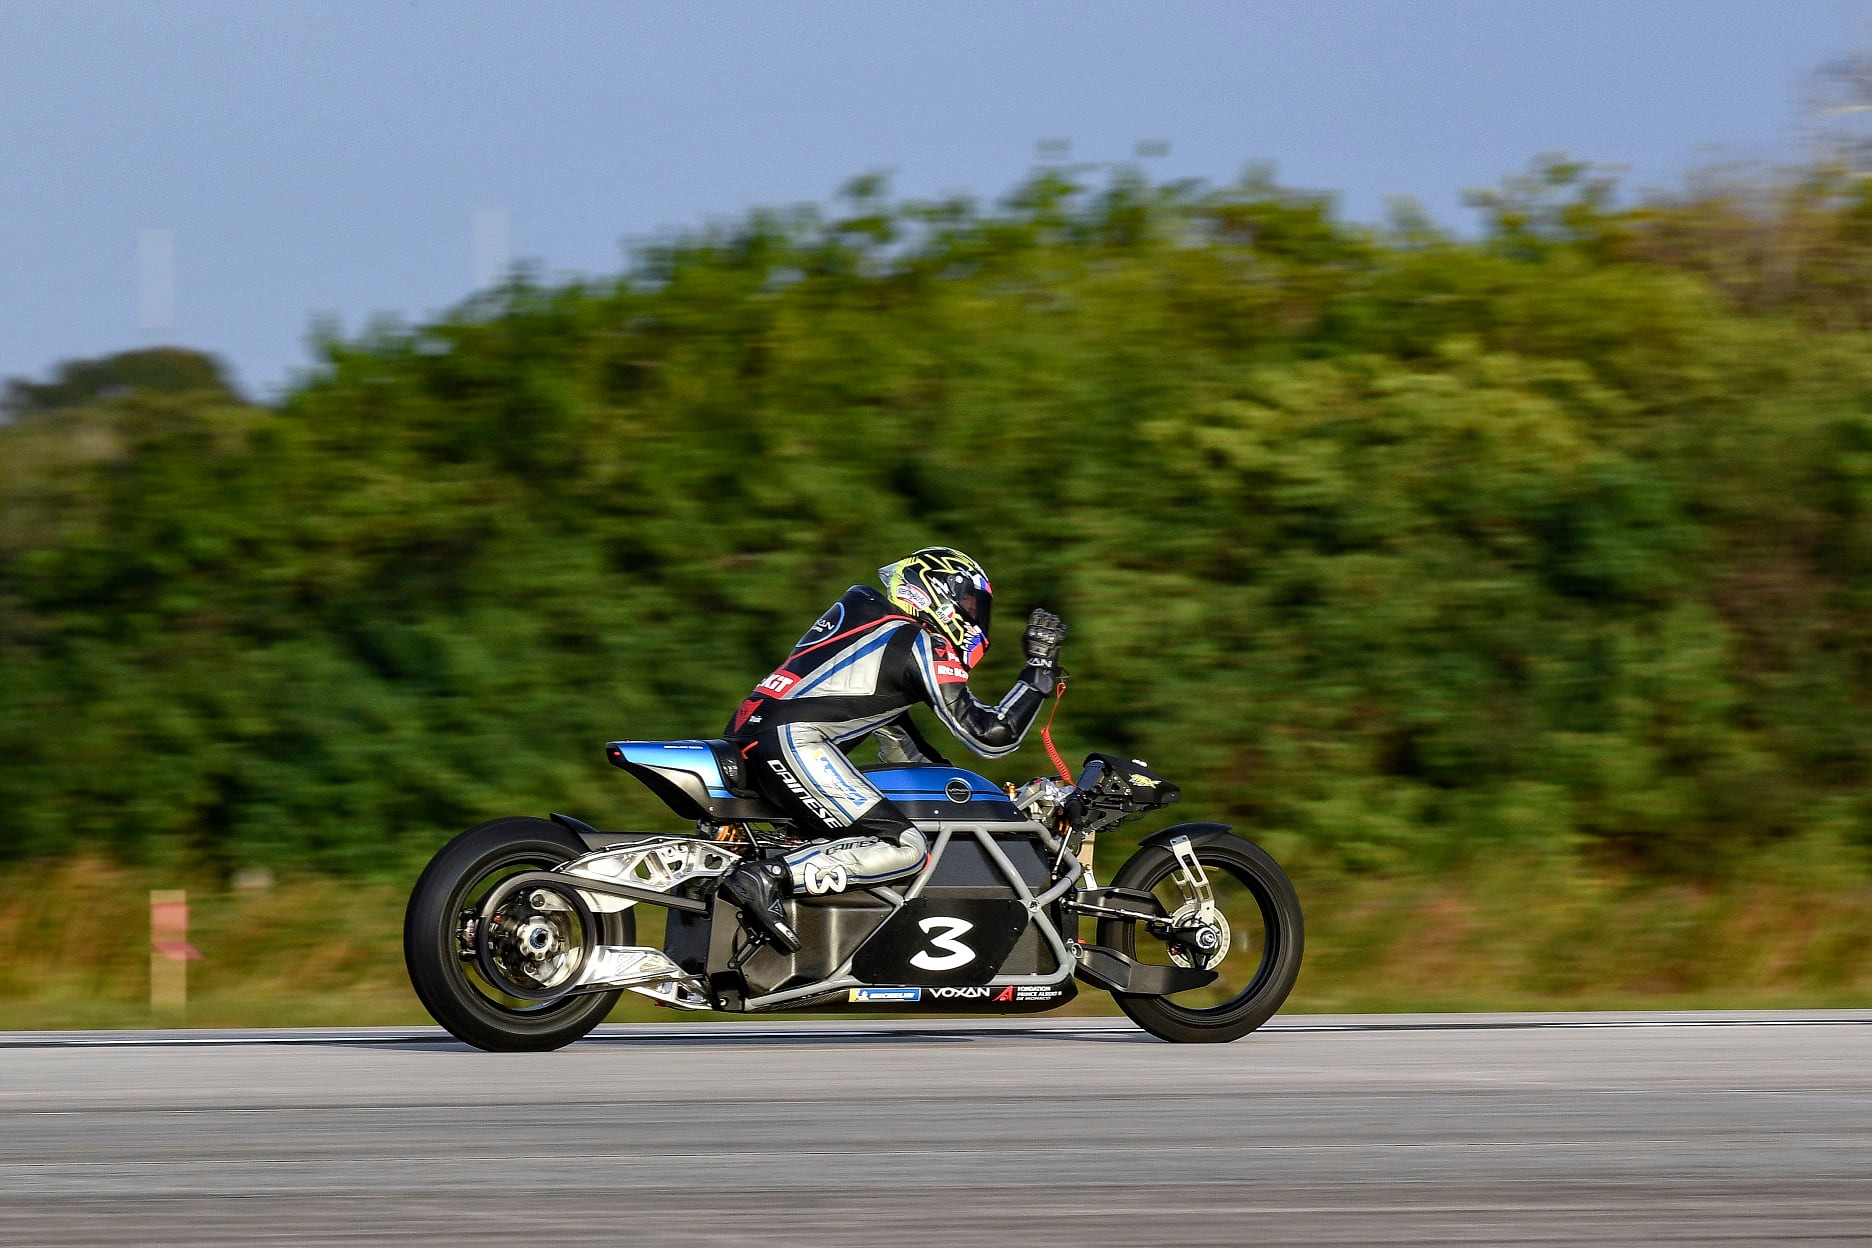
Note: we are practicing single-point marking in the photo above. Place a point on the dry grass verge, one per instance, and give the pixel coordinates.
(1504, 935)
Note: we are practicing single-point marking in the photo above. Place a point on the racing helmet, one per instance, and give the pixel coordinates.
(945, 591)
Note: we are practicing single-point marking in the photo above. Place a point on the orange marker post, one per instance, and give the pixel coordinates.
(170, 953)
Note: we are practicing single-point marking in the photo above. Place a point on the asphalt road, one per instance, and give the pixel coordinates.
(1453, 1129)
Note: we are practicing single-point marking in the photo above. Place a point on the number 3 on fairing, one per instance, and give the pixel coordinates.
(943, 934)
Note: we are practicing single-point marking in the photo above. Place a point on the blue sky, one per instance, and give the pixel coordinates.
(330, 159)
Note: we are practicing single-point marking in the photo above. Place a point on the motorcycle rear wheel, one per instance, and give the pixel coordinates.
(453, 987)
(1265, 941)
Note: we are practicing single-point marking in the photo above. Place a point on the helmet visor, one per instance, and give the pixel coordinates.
(974, 602)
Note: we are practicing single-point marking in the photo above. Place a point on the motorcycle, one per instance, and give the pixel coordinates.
(523, 933)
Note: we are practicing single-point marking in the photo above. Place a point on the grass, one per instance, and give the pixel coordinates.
(1503, 934)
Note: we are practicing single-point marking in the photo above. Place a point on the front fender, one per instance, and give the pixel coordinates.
(1198, 833)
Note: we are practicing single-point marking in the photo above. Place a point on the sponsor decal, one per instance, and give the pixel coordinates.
(1146, 781)
(839, 786)
(1037, 992)
(778, 683)
(747, 709)
(951, 674)
(821, 879)
(831, 819)
(961, 994)
(912, 597)
(885, 995)
(945, 952)
(824, 626)
(957, 790)
(1006, 994)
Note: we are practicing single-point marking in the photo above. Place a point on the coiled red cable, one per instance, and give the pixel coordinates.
(1046, 736)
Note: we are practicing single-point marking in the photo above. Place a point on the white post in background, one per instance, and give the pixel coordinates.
(490, 247)
(170, 954)
(156, 274)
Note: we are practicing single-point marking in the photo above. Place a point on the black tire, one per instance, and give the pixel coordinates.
(451, 987)
(1262, 964)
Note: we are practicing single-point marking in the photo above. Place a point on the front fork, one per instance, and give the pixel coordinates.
(1197, 932)
(1192, 881)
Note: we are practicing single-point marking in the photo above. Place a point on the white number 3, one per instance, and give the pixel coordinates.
(943, 933)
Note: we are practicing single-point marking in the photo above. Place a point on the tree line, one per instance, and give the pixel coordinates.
(1393, 545)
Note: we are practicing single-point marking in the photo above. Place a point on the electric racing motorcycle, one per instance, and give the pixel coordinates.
(523, 933)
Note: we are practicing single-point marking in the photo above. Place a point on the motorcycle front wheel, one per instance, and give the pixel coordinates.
(488, 996)
(1259, 941)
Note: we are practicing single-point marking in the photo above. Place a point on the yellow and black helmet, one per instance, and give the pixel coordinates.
(947, 592)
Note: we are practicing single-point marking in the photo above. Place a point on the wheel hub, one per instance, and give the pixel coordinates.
(1208, 941)
(537, 939)
(528, 950)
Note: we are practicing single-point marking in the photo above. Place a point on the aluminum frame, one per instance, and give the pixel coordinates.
(841, 979)
(658, 865)
(663, 863)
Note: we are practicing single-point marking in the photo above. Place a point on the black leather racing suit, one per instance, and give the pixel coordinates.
(859, 669)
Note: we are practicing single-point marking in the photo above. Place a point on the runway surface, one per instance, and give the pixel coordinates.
(1456, 1129)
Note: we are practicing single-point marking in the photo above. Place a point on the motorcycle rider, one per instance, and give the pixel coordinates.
(857, 672)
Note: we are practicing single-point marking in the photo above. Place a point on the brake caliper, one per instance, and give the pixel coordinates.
(465, 934)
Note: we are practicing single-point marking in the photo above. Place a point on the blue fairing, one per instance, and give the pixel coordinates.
(691, 756)
(900, 784)
(929, 784)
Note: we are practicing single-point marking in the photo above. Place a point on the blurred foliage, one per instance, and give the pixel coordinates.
(169, 370)
(1395, 547)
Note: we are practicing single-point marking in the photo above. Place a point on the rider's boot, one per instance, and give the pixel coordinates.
(834, 866)
(831, 867)
(756, 887)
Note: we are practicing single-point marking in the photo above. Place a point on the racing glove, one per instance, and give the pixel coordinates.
(1042, 641)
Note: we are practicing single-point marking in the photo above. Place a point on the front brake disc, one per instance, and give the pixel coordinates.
(1207, 942)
